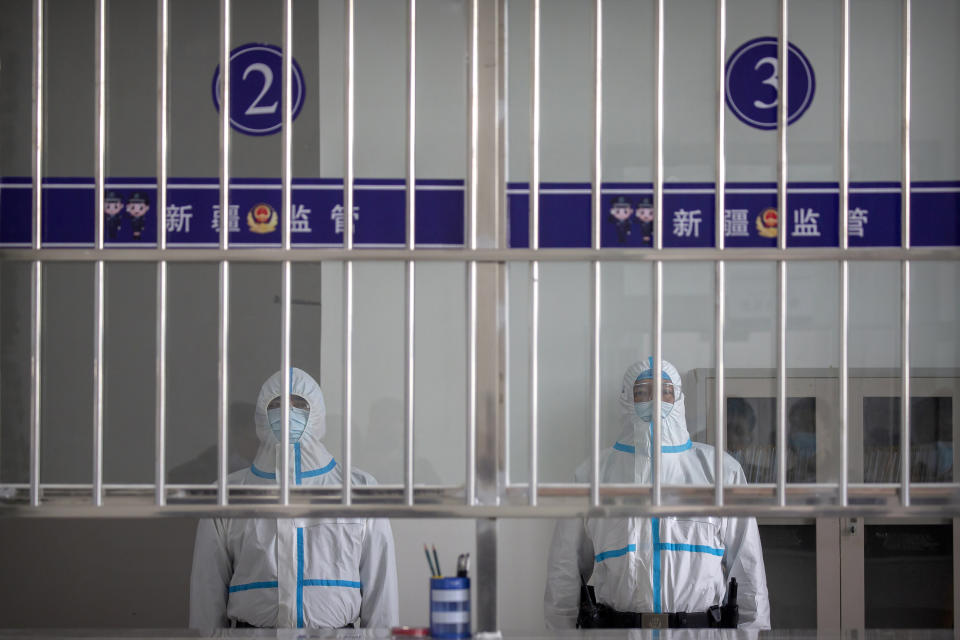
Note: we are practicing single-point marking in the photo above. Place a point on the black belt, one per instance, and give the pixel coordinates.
(713, 617)
(240, 624)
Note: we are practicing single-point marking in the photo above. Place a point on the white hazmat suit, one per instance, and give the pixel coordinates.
(300, 572)
(657, 565)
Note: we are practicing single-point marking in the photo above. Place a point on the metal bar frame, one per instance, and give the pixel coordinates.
(840, 497)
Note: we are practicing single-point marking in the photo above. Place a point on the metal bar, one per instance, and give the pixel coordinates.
(781, 441)
(409, 381)
(410, 273)
(658, 265)
(796, 254)
(286, 283)
(658, 130)
(224, 276)
(36, 332)
(473, 167)
(783, 230)
(905, 275)
(99, 282)
(623, 500)
(534, 234)
(844, 244)
(348, 151)
(596, 272)
(36, 270)
(720, 414)
(160, 435)
(286, 175)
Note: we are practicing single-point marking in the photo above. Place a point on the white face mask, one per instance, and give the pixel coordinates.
(298, 422)
(645, 410)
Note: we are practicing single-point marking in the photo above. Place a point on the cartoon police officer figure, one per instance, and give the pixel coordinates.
(621, 214)
(137, 207)
(113, 214)
(645, 216)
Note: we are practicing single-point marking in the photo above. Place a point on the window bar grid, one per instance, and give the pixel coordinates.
(905, 274)
(224, 279)
(348, 151)
(286, 171)
(783, 225)
(844, 244)
(36, 271)
(596, 276)
(658, 264)
(99, 279)
(473, 167)
(721, 283)
(410, 274)
(534, 226)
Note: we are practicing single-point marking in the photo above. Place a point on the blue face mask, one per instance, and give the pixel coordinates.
(645, 410)
(298, 422)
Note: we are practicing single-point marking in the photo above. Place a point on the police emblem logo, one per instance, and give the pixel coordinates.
(767, 223)
(262, 218)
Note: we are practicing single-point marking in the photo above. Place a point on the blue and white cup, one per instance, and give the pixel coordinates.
(450, 607)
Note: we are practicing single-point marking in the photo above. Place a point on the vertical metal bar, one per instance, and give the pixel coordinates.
(410, 276)
(36, 325)
(224, 281)
(160, 436)
(473, 167)
(100, 55)
(658, 265)
(596, 274)
(905, 275)
(286, 176)
(844, 244)
(36, 271)
(534, 226)
(783, 227)
(348, 244)
(720, 414)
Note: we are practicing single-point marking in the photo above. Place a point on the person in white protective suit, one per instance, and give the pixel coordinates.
(300, 572)
(656, 565)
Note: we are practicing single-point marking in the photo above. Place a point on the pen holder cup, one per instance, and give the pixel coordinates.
(450, 608)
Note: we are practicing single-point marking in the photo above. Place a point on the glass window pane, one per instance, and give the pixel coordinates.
(790, 558)
(931, 439)
(908, 576)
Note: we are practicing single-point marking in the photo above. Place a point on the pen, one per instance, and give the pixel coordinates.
(426, 552)
(436, 560)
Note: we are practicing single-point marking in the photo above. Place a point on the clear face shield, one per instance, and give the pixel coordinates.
(299, 412)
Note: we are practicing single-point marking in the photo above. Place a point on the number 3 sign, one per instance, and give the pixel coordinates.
(256, 72)
(753, 83)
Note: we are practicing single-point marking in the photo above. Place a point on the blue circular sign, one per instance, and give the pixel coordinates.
(256, 97)
(753, 83)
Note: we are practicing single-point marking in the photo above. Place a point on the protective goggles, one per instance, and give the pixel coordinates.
(297, 402)
(643, 390)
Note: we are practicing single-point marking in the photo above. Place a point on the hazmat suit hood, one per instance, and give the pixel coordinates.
(308, 455)
(638, 432)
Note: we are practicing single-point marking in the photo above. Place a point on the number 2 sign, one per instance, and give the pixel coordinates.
(753, 83)
(256, 73)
